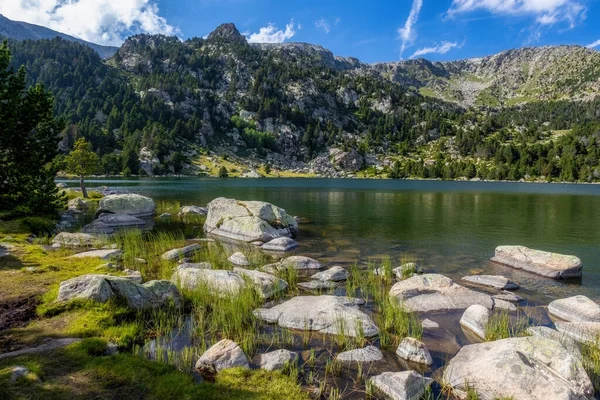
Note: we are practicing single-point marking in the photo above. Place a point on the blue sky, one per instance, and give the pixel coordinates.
(371, 31)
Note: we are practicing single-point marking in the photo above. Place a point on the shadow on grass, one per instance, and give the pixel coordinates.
(10, 262)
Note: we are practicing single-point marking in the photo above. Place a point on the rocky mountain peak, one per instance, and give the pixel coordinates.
(226, 33)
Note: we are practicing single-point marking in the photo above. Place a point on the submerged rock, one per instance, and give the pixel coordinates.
(367, 354)
(267, 285)
(182, 252)
(281, 244)
(102, 254)
(220, 281)
(551, 265)
(324, 314)
(66, 239)
(102, 288)
(239, 259)
(508, 296)
(222, 355)
(413, 350)
(334, 274)
(317, 285)
(521, 368)
(494, 281)
(277, 359)
(299, 263)
(405, 385)
(433, 292)
(130, 204)
(429, 324)
(475, 319)
(108, 223)
(575, 309)
(248, 221)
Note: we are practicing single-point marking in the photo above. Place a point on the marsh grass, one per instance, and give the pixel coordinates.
(172, 207)
(501, 326)
(591, 361)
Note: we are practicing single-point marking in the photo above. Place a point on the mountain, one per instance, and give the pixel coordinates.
(161, 105)
(22, 30)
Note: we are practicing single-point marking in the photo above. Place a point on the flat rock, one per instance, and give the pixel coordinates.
(299, 263)
(317, 285)
(508, 296)
(575, 309)
(413, 350)
(248, 221)
(51, 345)
(583, 332)
(200, 265)
(102, 254)
(179, 253)
(552, 334)
(523, 368)
(475, 319)
(493, 281)
(405, 385)
(221, 281)
(334, 274)
(130, 204)
(364, 355)
(324, 314)
(222, 355)
(551, 265)
(239, 259)
(429, 324)
(73, 240)
(433, 292)
(277, 359)
(504, 305)
(267, 285)
(281, 244)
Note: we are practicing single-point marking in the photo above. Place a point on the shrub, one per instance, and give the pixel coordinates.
(40, 226)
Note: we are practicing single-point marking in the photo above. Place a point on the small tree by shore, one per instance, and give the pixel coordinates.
(223, 172)
(82, 161)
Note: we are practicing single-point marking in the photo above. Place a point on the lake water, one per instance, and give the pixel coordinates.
(448, 227)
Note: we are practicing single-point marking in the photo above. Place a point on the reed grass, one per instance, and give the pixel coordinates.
(500, 326)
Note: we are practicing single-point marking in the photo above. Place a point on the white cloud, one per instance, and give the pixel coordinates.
(546, 12)
(407, 34)
(323, 25)
(270, 34)
(99, 21)
(437, 49)
(594, 45)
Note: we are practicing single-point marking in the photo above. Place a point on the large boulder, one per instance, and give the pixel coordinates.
(222, 282)
(575, 309)
(130, 204)
(102, 288)
(222, 355)
(248, 221)
(324, 314)
(266, 285)
(551, 265)
(475, 319)
(524, 368)
(74, 240)
(405, 385)
(433, 292)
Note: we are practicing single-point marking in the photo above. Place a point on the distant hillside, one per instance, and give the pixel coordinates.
(22, 30)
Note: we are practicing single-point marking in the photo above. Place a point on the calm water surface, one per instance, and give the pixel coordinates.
(448, 227)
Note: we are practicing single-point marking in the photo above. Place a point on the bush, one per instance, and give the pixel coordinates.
(40, 226)
(93, 346)
(223, 172)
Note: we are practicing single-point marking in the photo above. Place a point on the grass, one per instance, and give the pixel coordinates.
(591, 361)
(80, 371)
(500, 326)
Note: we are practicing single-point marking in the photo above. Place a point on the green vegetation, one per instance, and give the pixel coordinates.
(501, 326)
(82, 161)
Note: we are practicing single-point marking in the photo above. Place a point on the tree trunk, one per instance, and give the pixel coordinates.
(83, 190)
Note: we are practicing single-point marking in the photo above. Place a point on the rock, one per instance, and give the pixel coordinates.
(272, 269)
(222, 355)
(140, 261)
(267, 285)
(299, 263)
(504, 305)
(221, 281)
(165, 215)
(133, 276)
(346, 160)
(335, 274)
(521, 368)
(494, 281)
(432, 292)
(475, 319)
(277, 359)
(405, 385)
(575, 309)
(200, 265)
(248, 221)
(583, 332)
(551, 265)
(62, 185)
(187, 211)
(317, 285)
(108, 223)
(324, 314)
(111, 349)
(5, 249)
(407, 270)
(102, 288)
(102, 254)
(66, 239)
(429, 324)
(47, 346)
(182, 252)
(282, 244)
(508, 296)
(77, 204)
(413, 350)
(130, 204)
(239, 259)
(252, 174)
(555, 335)
(19, 372)
(367, 354)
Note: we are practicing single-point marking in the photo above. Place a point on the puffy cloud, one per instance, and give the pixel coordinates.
(323, 25)
(99, 21)
(406, 33)
(437, 49)
(270, 34)
(594, 45)
(546, 12)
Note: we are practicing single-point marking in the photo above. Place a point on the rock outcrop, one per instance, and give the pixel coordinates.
(551, 265)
